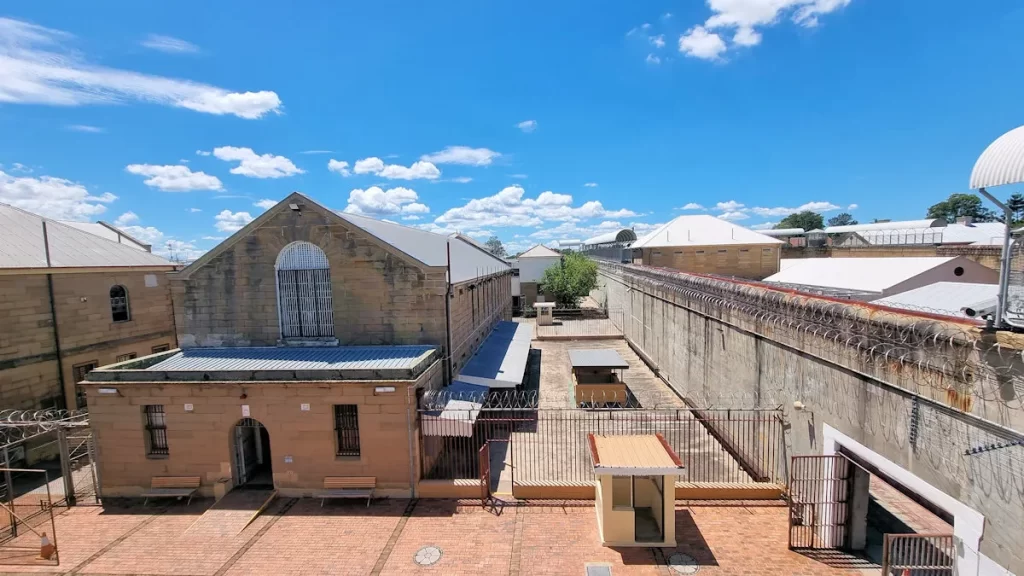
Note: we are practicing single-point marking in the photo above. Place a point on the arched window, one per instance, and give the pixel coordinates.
(304, 292)
(119, 304)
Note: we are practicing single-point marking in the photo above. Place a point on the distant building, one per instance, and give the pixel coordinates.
(708, 245)
(934, 231)
(110, 232)
(72, 298)
(571, 244)
(307, 338)
(531, 266)
(614, 245)
(869, 279)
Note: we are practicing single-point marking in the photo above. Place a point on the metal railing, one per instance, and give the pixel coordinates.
(550, 445)
(918, 554)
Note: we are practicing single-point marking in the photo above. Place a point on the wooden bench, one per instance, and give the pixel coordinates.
(172, 487)
(348, 487)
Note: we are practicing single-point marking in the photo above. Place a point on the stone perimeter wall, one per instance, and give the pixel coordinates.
(715, 348)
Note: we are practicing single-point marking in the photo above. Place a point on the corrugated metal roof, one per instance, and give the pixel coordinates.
(1002, 162)
(500, 361)
(21, 245)
(641, 451)
(701, 230)
(468, 260)
(897, 225)
(104, 230)
(596, 358)
(945, 298)
(856, 274)
(287, 358)
(624, 235)
(540, 251)
(782, 232)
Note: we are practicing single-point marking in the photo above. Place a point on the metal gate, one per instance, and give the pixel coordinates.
(918, 554)
(484, 457)
(248, 450)
(819, 501)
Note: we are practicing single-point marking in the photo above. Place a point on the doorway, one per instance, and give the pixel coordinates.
(252, 457)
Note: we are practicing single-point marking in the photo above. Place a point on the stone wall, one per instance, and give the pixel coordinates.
(987, 256)
(743, 261)
(895, 384)
(88, 334)
(476, 306)
(303, 444)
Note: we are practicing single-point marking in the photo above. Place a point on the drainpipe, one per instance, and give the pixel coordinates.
(1004, 261)
(412, 454)
(53, 318)
(448, 314)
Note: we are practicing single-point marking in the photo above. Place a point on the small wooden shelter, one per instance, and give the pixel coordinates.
(635, 491)
(597, 378)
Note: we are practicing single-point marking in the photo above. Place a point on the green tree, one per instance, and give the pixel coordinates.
(844, 219)
(494, 246)
(1016, 205)
(960, 205)
(807, 220)
(570, 280)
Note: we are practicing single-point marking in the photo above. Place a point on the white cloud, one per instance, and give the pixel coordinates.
(518, 176)
(852, 207)
(36, 67)
(194, 210)
(699, 43)
(228, 221)
(652, 59)
(743, 17)
(215, 238)
(19, 167)
(265, 203)
(462, 179)
(645, 26)
(148, 234)
(733, 216)
(175, 178)
(257, 165)
(527, 126)
(658, 41)
(339, 166)
(410, 217)
(567, 230)
(202, 153)
(182, 161)
(169, 44)
(692, 206)
(764, 226)
(462, 155)
(315, 152)
(666, 15)
(377, 202)
(509, 208)
(84, 128)
(591, 184)
(728, 206)
(376, 166)
(126, 219)
(784, 211)
(52, 197)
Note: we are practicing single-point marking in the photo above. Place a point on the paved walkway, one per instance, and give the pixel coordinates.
(297, 536)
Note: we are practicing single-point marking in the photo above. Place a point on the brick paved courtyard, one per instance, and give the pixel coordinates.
(299, 537)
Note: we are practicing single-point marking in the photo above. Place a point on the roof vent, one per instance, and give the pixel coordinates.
(965, 220)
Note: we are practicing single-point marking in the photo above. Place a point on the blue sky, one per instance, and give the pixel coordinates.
(534, 121)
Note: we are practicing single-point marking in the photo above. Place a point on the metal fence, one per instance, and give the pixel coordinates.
(549, 445)
(26, 514)
(918, 554)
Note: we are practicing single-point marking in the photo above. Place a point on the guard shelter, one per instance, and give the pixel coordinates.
(634, 473)
(597, 378)
(545, 313)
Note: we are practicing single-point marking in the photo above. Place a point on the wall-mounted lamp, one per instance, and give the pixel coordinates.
(108, 391)
(383, 390)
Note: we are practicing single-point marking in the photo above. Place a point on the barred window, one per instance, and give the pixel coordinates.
(346, 428)
(304, 292)
(78, 372)
(161, 348)
(126, 357)
(156, 429)
(119, 303)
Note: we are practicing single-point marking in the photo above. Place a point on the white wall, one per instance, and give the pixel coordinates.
(532, 269)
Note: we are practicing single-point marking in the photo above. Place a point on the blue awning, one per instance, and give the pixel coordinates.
(500, 362)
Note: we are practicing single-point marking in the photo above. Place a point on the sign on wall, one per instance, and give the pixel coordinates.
(245, 410)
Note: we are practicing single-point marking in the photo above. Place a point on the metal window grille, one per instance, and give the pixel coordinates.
(304, 292)
(161, 348)
(346, 428)
(156, 427)
(78, 372)
(126, 357)
(119, 304)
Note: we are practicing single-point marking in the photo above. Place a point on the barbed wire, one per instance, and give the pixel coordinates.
(19, 425)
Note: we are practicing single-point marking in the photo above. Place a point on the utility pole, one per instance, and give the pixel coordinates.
(1004, 261)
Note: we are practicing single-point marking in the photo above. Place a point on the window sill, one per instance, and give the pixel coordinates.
(308, 342)
(348, 458)
(158, 456)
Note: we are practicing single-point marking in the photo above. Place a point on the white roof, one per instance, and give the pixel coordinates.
(108, 231)
(540, 251)
(468, 260)
(701, 230)
(980, 233)
(1001, 163)
(783, 232)
(897, 225)
(22, 246)
(945, 298)
(624, 235)
(854, 274)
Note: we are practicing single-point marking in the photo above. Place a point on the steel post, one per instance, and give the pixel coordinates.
(65, 467)
(9, 481)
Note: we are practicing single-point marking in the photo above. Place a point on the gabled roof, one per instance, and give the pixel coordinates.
(22, 245)
(701, 230)
(430, 249)
(110, 232)
(945, 298)
(540, 251)
(870, 275)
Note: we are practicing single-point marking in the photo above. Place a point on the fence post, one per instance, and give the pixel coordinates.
(65, 467)
(94, 465)
(10, 490)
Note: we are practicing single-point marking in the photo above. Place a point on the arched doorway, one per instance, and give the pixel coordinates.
(252, 458)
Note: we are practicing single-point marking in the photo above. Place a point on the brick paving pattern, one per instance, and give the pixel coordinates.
(299, 537)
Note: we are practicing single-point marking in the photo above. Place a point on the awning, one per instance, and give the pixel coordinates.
(597, 358)
(460, 411)
(500, 362)
(633, 455)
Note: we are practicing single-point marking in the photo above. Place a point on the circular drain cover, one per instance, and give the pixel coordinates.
(683, 564)
(427, 555)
